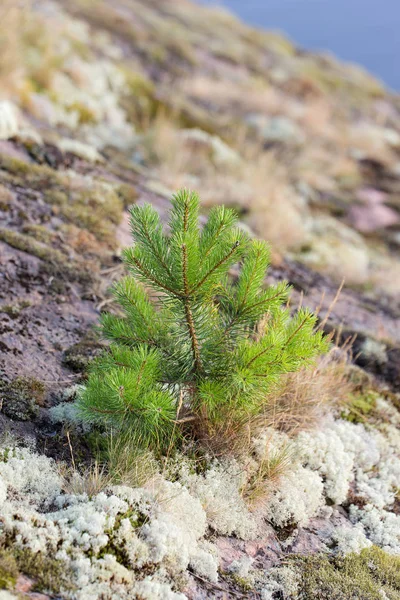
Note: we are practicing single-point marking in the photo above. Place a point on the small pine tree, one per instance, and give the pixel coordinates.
(202, 349)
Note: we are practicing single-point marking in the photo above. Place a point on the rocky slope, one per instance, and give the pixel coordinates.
(105, 105)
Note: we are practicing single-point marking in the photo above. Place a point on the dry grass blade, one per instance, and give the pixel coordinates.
(90, 481)
(330, 307)
(303, 397)
(127, 465)
(263, 479)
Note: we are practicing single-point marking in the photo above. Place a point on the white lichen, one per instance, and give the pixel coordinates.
(80, 149)
(297, 499)
(163, 526)
(381, 526)
(219, 493)
(9, 120)
(350, 539)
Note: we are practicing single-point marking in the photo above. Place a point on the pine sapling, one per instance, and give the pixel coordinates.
(196, 348)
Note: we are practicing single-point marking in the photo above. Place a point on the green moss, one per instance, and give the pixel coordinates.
(85, 115)
(139, 84)
(94, 222)
(50, 575)
(8, 570)
(140, 102)
(6, 198)
(28, 244)
(28, 175)
(57, 262)
(360, 406)
(39, 233)
(245, 585)
(361, 576)
(22, 397)
(14, 310)
(96, 209)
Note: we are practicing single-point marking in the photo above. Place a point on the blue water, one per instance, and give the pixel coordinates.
(361, 31)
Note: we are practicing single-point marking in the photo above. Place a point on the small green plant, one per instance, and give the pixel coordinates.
(200, 351)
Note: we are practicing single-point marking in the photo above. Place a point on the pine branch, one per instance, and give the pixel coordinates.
(186, 215)
(140, 374)
(217, 233)
(151, 277)
(296, 331)
(103, 411)
(156, 251)
(257, 356)
(286, 344)
(249, 282)
(215, 267)
(248, 309)
(189, 314)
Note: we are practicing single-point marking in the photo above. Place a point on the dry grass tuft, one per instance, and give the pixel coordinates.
(298, 403)
(13, 17)
(90, 481)
(264, 476)
(123, 464)
(127, 465)
(304, 397)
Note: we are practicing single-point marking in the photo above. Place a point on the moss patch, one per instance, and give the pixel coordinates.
(243, 584)
(8, 570)
(28, 175)
(14, 310)
(22, 397)
(95, 208)
(39, 233)
(78, 356)
(361, 576)
(128, 194)
(57, 261)
(359, 407)
(50, 575)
